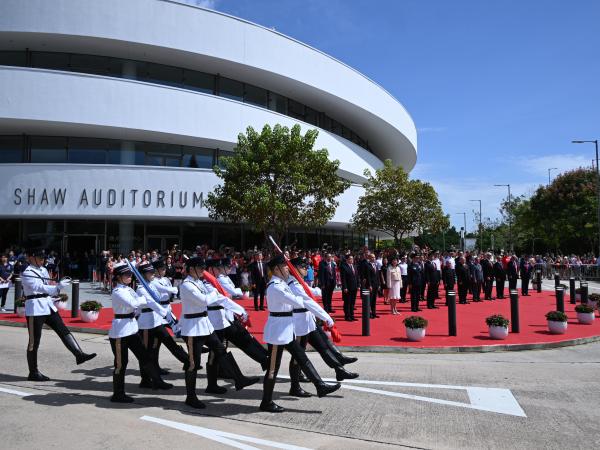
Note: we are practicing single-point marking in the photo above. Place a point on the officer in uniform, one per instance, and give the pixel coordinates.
(415, 280)
(123, 335)
(197, 330)
(40, 310)
(307, 331)
(432, 277)
(279, 334)
(151, 323)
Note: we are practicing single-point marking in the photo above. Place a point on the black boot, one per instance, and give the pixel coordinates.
(230, 366)
(190, 388)
(34, 373)
(257, 352)
(343, 374)
(267, 404)
(295, 388)
(73, 346)
(336, 351)
(157, 382)
(119, 390)
(212, 371)
(146, 381)
(322, 388)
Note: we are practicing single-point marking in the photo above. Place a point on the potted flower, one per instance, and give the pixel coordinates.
(415, 328)
(585, 314)
(497, 326)
(593, 300)
(557, 322)
(578, 295)
(61, 301)
(20, 305)
(90, 310)
(245, 289)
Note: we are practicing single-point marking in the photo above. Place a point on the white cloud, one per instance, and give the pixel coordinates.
(539, 165)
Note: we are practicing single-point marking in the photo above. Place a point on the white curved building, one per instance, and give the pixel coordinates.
(113, 112)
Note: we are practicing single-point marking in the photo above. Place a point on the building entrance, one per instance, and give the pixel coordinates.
(162, 243)
(80, 253)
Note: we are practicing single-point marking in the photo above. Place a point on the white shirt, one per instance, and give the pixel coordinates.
(223, 317)
(124, 301)
(304, 322)
(280, 298)
(165, 289)
(438, 264)
(195, 299)
(229, 287)
(154, 318)
(34, 282)
(403, 269)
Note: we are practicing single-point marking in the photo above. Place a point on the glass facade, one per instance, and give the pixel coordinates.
(182, 78)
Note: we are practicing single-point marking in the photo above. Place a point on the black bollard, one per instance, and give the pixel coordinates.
(75, 298)
(556, 280)
(560, 298)
(572, 295)
(365, 296)
(451, 303)
(18, 292)
(538, 281)
(584, 292)
(514, 310)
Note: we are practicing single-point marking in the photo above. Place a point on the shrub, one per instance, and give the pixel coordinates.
(63, 297)
(497, 320)
(20, 302)
(584, 309)
(556, 316)
(90, 305)
(245, 288)
(415, 322)
(594, 297)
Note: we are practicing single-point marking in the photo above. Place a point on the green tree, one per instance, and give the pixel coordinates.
(275, 180)
(397, 206)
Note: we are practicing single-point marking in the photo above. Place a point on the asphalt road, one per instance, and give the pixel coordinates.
(534, 399)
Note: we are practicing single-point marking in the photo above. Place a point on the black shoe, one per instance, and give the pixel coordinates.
(194, 402)
(271, 407)
(245, 382)
(121, 398)
(37, 376)
(83, 357)
(164, 371)
(145, 383)
(216, 389)
(347, 359)
(376, 316)
(161, 385)
(324, 389)
(262, 308)
(297, 391)
(343, 374)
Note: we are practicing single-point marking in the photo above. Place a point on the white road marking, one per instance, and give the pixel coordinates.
(14, 392)
(222, 436)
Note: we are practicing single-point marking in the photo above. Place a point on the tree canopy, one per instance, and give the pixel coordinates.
(275, 179)
(396, 205)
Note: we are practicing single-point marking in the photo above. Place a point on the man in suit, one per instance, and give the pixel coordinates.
(327, 281)
(512, 273)
(369, 279)
(349, 278)
(432, 278)
(463, 278)
(500, 276)
(259, 275)
(488, 276)
(415, 280)
(526, 271)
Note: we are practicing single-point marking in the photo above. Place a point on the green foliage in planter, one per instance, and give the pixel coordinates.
(594, 297)
(90, 305)
(245, 288)
(584, 309)
(497, 320)
(63, 297)
(20, 302)
(415, 322)
(556, 316)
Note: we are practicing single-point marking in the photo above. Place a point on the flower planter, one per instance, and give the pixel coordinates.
(497, 332)
(586, 318)
(415, 334)
(21, 311)
(61, 306)
(557, 327)
(89, 316)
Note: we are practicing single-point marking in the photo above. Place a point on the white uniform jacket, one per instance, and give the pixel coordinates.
(152, 314)
(124, 301)
(195, 298)
(280, 299)
(304, 322)
(165, 289)
(35, 284)
(230, 288)
(221, 315)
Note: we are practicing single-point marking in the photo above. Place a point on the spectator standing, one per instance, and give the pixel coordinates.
(327, 281)
(6, 271)
(476, 279)
(350, 280)
(394, 284)
(404, 272)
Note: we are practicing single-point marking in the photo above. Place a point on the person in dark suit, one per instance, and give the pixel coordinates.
(327, 281)
(463, 279)
(369, 279)
(349, 278)
(432, 279)
(449, 276)
(476, 279)
(526, 271)
(259, 275)
(500, 276)
(415, 280)
(488, 276)
(512, 273)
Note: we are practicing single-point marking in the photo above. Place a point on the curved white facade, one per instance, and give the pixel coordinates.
(52, 102)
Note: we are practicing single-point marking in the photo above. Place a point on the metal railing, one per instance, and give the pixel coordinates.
(566, 271)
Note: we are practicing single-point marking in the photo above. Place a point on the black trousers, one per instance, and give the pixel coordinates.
(476, 289)
(403, 288)
(274, 362)
(34, 327)
(349, 301)
(120, 348)
(488, 285)
(512, 283)
(525, 286)
(259, 291)
(327, 294)
(431, 293)
(153, 338)
(318, 342)
(373, 302)
(3, 294)
(500, 287)
(194, 345)
(243, 340)
(462, 292)
(415, 296)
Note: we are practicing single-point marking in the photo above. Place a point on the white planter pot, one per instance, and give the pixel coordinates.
(497, 332)
(557, 327)
(21, 311)
(245, 295)
(60, 305)
(415, 334)
(586, 318)
(89, 316)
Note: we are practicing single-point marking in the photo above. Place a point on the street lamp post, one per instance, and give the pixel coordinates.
(464, 243)
(595, 142)
(480, 226)
(549, 170)
(510, 239)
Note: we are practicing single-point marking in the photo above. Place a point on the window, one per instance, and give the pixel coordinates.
(13, 59)
(49, 150)
(98, 65)
(199, 81)
(162, 155)
(11, 149)
(295, 109)
(255, 95)
(47, 60)
(277, 103)
(325, 122)
(160, 74)
(231, 89)
(197, 158)
(87, 151)
(311, 116)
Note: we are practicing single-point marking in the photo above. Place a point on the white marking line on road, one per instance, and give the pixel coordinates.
(222, 436)
(14, 392)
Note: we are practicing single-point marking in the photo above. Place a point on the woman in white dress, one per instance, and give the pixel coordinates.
(394, 284)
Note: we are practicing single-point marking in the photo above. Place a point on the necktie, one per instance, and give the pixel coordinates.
(260, 268)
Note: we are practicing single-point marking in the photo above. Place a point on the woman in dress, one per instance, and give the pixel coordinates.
(394, 284)
(383, 283)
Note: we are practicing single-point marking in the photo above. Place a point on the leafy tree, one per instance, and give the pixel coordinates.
(275, 179)
(397, 206)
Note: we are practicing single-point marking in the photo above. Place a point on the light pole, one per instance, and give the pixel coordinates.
(550, 170)
(464, 241)
(595, 141)
(480, 226)
(510, 239)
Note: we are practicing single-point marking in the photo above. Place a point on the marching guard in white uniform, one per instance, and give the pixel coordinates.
(123, 335)
(306, 330)
(40, 310)
(279, 334)
(198, 330)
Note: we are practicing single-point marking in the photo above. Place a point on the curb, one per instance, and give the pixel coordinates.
(400, 350)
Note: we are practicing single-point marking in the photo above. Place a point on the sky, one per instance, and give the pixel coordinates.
(497, 89)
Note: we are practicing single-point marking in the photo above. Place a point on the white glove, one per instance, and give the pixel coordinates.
(245, 316)
(174, 290)
(317, 292)
(63, 284)
(330, 323)
(176, 329)
(142, 300)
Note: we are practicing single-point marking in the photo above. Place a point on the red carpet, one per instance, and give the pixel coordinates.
(389, 330)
